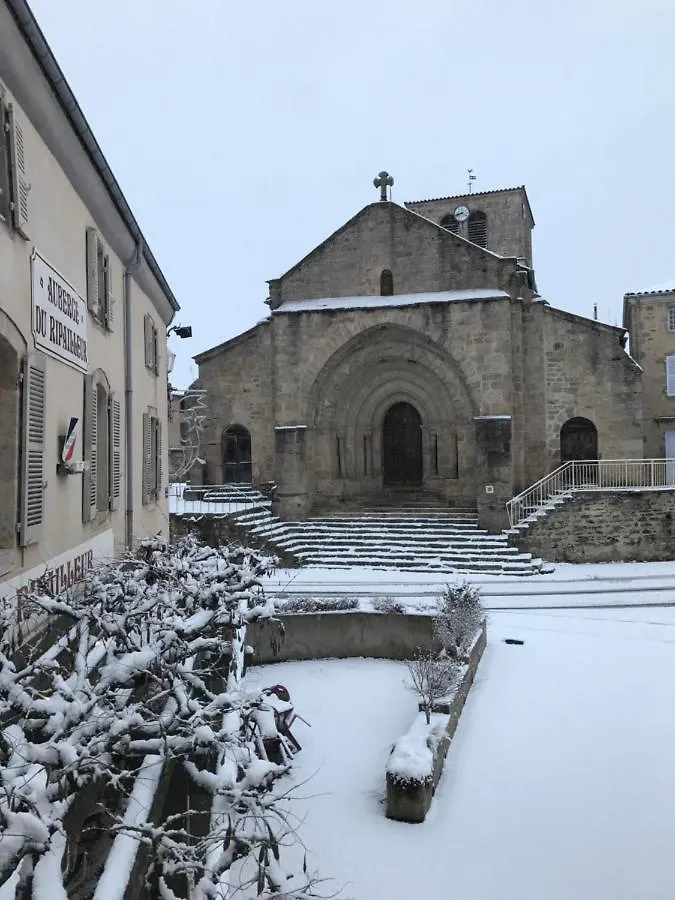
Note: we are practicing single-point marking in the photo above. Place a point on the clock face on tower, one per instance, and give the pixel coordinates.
(462, 213)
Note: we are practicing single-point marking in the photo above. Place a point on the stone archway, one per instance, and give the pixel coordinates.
(402, 445)
(578, 440)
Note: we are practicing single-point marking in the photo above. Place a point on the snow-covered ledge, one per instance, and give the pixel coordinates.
(416, 762)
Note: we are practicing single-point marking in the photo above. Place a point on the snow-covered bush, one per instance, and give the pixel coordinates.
(318, 604)
(431, 678)
(459, 615)
(144, 684)
(388, 605)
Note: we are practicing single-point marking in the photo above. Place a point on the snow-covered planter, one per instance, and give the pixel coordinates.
(415, 764)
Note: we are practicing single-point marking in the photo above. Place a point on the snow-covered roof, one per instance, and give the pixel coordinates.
(666, 288)
(377, 302)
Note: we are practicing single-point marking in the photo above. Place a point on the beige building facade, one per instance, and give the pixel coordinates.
(411, 354)
(649, 317)
(84, 312)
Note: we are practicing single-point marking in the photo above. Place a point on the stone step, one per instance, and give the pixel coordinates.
(408, 549)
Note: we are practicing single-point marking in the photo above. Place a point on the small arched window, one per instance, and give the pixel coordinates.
(451, 223)
(386, 283)
(478, 233)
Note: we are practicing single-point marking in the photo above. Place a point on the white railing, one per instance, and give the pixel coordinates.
(214, 499)
(591, 475)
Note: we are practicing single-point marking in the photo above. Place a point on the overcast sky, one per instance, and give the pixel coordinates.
(244, 133)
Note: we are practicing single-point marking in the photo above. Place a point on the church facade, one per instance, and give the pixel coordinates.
(410, 353)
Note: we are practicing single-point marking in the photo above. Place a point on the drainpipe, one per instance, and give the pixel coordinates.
(128, 398)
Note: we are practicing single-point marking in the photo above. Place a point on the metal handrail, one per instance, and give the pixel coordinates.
(590, 474)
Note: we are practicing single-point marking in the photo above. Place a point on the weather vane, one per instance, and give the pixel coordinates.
(472, 178)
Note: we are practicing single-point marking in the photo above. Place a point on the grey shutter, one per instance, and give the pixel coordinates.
(107, 293)
(155, 350)
(92, 272)
(115, 432)
(20, 183)
(147, 337)
(89, 439)
(158, 464)
(147, 457)
(34, 405)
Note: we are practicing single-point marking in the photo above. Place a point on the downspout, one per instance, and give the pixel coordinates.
(128, 399)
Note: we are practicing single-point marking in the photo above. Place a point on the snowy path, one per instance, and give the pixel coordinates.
(612, 584)
(559, 784)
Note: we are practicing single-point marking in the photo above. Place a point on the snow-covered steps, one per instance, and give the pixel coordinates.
(443, 541)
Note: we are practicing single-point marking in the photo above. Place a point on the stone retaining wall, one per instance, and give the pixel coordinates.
(410, 801)
(603, 526)
(342, 635)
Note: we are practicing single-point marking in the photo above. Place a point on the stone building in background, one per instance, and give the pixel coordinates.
(649, 317)
(411, 355)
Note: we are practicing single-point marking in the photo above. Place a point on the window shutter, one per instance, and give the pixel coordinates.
(155, 350)
(89, 480)
(147, 457)
(115, 468)
(32, 494)
(107, 293)
(158, 463)
(147, 336)
(20, 183)
(670, 376)
(92, 272)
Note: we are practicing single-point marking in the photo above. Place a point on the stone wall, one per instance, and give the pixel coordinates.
(342, 635)
(237, 378)
(602, 526)
(420, 255)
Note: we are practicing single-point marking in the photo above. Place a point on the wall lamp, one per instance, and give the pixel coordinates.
(183, 331)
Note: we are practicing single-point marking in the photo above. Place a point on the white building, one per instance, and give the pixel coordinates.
(84, 312)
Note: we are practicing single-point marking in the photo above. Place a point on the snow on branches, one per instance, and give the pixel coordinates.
(138, 681)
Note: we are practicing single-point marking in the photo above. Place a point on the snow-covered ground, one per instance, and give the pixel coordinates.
(559, 783)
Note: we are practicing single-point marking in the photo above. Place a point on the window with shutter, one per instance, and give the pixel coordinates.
(90, 449)
(115, 450)
(670, 376)
(4, 162)
(92, 272)
(32, 494)
(158, 459)
(151, 338)
(671, 319)
(147, 458)
(19, 171)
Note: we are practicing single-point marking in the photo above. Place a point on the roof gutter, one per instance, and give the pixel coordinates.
(30, 29)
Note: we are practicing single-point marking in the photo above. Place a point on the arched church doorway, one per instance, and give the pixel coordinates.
(402, 445)
(578, 440)
(237, 455)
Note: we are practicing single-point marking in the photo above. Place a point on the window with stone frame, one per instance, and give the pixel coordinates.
(102, 448)
(671, 318)
(99, 294)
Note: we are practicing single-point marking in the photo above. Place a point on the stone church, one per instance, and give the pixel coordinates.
(410, 354)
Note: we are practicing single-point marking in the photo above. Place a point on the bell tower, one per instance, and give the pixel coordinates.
(500, 221)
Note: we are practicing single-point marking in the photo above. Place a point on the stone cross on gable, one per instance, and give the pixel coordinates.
(383, 181)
